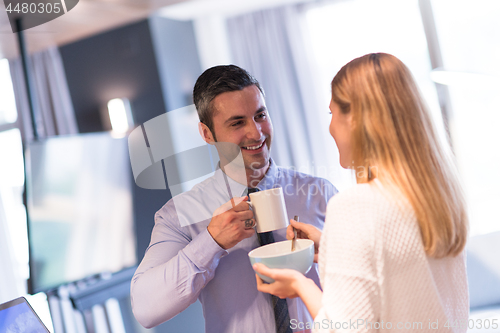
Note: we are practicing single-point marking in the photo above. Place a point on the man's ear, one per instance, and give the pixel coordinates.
(205, 133)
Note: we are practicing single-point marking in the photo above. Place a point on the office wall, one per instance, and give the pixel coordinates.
(118, 63)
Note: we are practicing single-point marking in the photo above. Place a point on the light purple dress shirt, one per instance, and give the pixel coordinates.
(184, 263)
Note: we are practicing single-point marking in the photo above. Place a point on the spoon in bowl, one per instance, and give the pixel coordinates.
(296, 218)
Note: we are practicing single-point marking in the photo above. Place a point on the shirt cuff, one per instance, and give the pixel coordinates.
(204, 251)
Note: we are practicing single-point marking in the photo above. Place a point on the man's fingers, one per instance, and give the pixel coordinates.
(244, 215)
(238, 200)
(249, 232)
(241, 205)
(231, 204)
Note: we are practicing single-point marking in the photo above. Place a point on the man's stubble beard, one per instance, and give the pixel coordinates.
(248, 165)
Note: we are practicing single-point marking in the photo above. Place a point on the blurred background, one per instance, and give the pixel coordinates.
(73, 224)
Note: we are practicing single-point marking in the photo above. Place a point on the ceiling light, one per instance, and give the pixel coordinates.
(120, 115)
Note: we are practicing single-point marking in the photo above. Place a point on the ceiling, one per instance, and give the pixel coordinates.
(87, 18)
(90, 17)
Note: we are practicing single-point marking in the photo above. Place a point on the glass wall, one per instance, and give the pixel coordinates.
(469, 40)
(469, 36)
(341, 31)
(14, 248)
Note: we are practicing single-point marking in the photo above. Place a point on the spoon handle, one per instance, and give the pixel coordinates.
(296, 218)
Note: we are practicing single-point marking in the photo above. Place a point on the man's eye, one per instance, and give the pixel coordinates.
(261, 115)
(237, 123)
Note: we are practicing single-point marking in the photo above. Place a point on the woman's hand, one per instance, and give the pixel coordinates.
(287, 282)
(290, 283)
(305, 231)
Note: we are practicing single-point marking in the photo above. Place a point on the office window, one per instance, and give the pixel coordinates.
(12, 209)
(8, 113)
(11, 191)
(469, 36)
(342, 31)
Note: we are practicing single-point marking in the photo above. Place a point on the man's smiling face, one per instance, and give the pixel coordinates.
(241, 117)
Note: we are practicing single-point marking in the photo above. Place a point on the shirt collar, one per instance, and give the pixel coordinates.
(268, 182)
(270, 178)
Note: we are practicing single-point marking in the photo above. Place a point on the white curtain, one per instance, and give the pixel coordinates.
(55, 114)
(270, 44)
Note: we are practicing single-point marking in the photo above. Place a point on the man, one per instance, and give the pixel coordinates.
(208, 260)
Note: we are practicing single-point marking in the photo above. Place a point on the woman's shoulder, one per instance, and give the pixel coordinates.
(372, 199)
(359, 194)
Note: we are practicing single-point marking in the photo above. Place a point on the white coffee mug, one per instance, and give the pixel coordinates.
(269, 209)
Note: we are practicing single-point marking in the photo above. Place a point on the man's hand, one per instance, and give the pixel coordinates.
(305, 231)
(227, 226)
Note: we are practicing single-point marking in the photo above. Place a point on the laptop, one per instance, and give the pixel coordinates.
(17, 316)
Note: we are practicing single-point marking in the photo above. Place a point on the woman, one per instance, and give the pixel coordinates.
(391, 252)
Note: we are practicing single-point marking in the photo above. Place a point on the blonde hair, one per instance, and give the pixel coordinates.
(394, 135)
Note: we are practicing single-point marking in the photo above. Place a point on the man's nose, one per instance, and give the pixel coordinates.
(254, 132)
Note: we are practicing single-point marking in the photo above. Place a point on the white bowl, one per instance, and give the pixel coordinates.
(280, 255)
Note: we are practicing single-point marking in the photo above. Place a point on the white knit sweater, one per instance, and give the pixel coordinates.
(375, 274)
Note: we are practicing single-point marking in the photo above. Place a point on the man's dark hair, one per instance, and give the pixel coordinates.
(215, 81)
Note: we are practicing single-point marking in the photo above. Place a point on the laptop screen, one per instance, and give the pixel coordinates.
(17, 316)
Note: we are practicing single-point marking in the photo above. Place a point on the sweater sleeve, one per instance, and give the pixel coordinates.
(347, 261)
